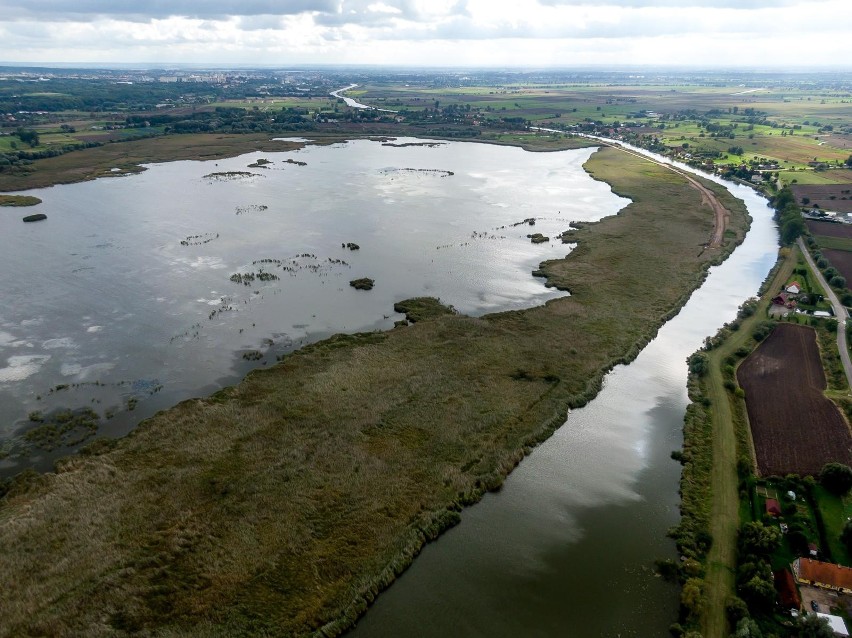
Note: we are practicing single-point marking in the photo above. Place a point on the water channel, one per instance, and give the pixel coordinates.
(125, 293)
(566, 548)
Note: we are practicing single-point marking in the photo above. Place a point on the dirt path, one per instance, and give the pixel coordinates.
(724, 508)
(720, 213)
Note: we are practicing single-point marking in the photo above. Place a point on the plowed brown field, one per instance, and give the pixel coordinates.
(795, 428)
(840, 259)
(829, 229)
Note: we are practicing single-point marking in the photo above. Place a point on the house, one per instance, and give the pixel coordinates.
(826, 575)
(780, 299)
(836, 623)
(813, 550)
(794, 288)
(788, 593)
(773, 508)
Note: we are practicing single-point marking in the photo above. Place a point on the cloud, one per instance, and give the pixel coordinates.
(679, 4)
(136, 10)
(433, 32)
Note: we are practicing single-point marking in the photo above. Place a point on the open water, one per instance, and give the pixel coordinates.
(123, 297)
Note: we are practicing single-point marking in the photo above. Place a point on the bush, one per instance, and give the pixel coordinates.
(762, 330)
(836, 478)
(846, 535)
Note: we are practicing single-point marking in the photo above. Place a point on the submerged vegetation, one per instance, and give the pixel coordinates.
(62, 428)
(19, 200)
(230, 176)
(363, 283)
(275, 506)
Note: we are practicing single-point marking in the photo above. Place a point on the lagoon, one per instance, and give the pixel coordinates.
(123, 300)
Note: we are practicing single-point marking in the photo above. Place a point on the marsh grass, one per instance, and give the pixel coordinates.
(19, 200)
(284, 504)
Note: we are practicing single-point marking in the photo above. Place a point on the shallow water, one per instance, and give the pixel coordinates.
(566, 548)
(124, 293)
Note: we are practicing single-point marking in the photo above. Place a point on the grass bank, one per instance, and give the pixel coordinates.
(92, 163)
(284, 504)
(717, 453)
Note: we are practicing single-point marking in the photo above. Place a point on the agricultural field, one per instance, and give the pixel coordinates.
(831, 197)
(795, 428)
(841, 260)
(829, 229)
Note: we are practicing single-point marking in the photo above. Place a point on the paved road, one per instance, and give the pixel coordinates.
(839, 312)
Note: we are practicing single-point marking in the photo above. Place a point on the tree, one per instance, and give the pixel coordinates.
(837, 282)
(758, 539)
(691, 596)
(736, 609)
(747, 628)
(759, 592)
(28, 136)
(836, 478)
(812, 626)
(846, 535)
(698, 363)
(791, 229)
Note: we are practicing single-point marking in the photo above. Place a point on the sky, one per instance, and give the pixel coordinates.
(463, 33)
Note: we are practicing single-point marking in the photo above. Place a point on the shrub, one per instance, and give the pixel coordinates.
(836, 478)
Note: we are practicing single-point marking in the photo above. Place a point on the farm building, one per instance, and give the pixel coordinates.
(783, 299)
(788, 593)
(826, 575)
(773, 508)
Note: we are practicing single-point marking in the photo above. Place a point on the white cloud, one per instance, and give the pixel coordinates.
(428, 32)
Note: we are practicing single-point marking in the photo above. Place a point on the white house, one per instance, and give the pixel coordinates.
(794, 288)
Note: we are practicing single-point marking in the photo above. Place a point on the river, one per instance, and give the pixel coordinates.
(566, 547)
(355, 104)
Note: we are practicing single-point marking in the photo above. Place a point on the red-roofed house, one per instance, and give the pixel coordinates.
(794, 288)
(827, 575)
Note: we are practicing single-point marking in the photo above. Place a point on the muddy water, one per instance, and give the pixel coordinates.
(566, 548)
(123, 297)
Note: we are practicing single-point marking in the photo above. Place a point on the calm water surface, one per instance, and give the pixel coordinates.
(566, 548)
(124, 295)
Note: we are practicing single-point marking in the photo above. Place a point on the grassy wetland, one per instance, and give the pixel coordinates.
(287, 502)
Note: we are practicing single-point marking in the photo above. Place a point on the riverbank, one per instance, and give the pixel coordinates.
(290, 500)
(717, 450)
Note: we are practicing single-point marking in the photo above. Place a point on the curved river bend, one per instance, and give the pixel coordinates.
(105, 299)
(566, 548)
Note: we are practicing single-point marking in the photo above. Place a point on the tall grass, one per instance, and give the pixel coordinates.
(284, 504)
